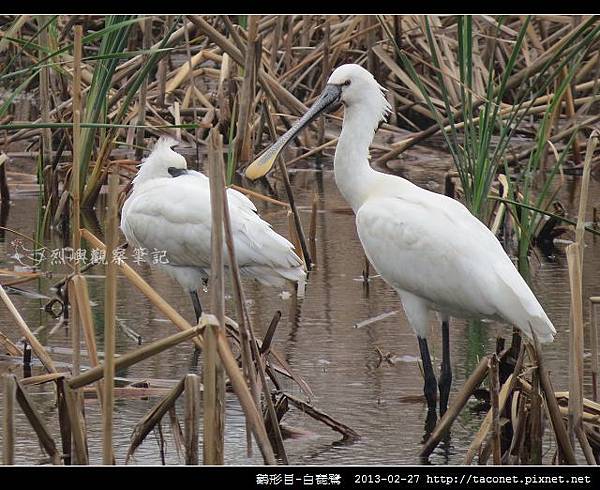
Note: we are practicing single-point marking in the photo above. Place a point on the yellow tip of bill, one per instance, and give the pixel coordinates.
(261, 165)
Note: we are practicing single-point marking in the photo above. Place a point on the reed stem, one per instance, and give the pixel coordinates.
(75, 203)
(575, 343)
(110, 302)
(192, 414)
(79, 450)
(562, 437)
(214, 381)
(243, 317)
(8, 421)
(82, 299)
(494, 392)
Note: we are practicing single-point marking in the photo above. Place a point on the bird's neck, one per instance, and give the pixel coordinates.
(353, 175)
(148, 172)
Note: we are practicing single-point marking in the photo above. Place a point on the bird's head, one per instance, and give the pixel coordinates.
(358, 88)
(350, 85)
(159, 161)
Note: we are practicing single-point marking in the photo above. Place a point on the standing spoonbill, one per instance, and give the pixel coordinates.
(427, 246)
(169, 210)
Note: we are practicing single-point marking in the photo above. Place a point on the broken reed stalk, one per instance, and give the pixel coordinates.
(10, 348)
(82, 298)
(503, 396)
(214, 380)
(79, 452)
(575, 414)
(9, 389)
(268, 401)
(487, 423)
(534, 427)
(515, 449)
(560, 432)
(308, 409)
(178, 437)
(63, 419)
(494, 389)
(74, 318)
(130, 358)
(250, 411)
(243, 317)
(36, 422)
(585, 446)
(478, 375)
(248, 341)
(230, 364)
(37, 347)
(75, 341)
(110, 303)
(192, 414)
(153, 417)
(575, 261)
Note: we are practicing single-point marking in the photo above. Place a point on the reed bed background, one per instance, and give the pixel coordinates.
(513, 100)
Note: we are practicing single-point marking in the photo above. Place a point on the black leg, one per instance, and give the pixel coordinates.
(197, 305)
(445, 368)
(430, 388)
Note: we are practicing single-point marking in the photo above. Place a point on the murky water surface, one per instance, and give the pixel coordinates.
(317, 337)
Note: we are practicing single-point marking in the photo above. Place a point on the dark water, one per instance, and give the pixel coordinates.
(315, 335)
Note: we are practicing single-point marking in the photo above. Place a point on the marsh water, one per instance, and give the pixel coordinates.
(316, 335)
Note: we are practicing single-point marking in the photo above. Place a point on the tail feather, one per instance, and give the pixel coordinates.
(519, 306)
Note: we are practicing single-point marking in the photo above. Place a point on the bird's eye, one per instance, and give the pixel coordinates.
(346, 83)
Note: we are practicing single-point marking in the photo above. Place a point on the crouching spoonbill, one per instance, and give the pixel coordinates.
(169, 210)
(427, 246)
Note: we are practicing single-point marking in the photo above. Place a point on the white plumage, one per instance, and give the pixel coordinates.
(174, 214)
(427, 246)
(439, 257)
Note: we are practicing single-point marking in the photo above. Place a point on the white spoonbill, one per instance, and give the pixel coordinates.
(169, 210)
(427, 246)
